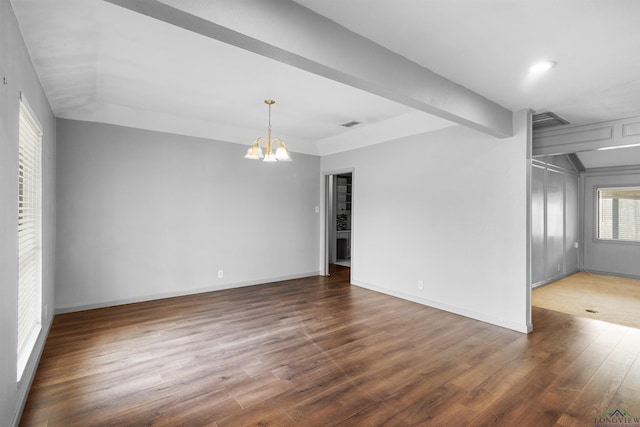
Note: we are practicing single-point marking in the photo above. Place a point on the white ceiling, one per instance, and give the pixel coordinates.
(100, 62)
(488, 46)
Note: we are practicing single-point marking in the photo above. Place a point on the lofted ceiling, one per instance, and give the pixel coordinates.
(98, 61)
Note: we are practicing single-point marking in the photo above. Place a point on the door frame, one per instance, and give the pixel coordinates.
(325, 221)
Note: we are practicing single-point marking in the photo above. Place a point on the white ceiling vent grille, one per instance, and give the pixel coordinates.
(543, 120)
(350, 124)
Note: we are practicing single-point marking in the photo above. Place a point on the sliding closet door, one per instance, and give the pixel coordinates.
(538, 253)
(555, 224)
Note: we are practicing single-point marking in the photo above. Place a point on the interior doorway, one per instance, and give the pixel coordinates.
(339, 237)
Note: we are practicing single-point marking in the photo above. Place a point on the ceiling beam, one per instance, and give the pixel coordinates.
(290, 33)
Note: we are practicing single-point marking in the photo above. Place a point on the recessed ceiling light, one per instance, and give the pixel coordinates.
(542, 66)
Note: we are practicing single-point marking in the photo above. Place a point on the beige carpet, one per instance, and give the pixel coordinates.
(614, 299)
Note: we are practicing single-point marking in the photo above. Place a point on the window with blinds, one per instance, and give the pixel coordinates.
(29, 226)
(619, 214)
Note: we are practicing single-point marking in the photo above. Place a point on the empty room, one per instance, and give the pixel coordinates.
(305, 212)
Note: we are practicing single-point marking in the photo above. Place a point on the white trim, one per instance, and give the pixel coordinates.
(29, 221)
(529, 244)
(32, 113)
(524, 328)
(596, 222)
(163, 295)
(30, 371)
(324, 206)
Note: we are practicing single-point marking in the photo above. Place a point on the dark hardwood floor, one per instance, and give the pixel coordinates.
(320, 352)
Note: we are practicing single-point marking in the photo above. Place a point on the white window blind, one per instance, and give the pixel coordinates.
(29, 231)
(619, 213)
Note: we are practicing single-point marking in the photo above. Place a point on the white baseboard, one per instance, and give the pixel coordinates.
(524, 327)
(163, 295)
(609, 273)
(31, 369)
(553, 279)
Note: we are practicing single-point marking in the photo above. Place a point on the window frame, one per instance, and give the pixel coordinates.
(26, 339)
(596, 217)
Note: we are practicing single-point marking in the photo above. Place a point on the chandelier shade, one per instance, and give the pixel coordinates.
(276, 150)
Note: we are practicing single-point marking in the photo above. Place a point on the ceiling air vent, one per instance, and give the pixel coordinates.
(350, 124)
(547, 119)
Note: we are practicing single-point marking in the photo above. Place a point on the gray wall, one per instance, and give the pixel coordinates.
(16, 67)
(554, 219)
(619, 258)
(448, 208)
(145, 214)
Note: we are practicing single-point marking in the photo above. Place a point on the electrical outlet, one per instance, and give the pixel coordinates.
(420, 284)
(576, 245)
(220, 274)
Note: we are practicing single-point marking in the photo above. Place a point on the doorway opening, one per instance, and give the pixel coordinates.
(339, 238)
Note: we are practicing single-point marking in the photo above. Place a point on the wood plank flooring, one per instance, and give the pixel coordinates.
(610, 298)
(319, 352)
